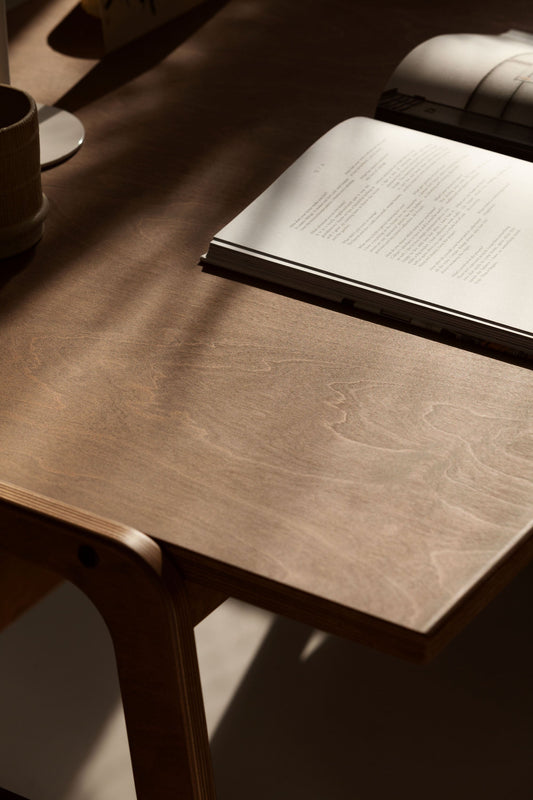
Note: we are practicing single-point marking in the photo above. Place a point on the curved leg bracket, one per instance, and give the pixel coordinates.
(144, 603)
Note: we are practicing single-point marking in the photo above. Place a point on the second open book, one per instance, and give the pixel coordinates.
(400, 222)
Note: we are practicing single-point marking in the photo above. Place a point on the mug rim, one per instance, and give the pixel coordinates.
(6, 89)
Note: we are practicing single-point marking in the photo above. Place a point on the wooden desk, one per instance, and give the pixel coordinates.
(365, 479)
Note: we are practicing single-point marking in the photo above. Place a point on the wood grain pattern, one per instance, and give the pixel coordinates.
(143, 600)
(288, 453)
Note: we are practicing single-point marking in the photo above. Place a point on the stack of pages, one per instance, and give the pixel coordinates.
(421, 227)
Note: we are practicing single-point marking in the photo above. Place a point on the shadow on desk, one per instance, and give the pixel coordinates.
(314, 717)
(80, 36)
(329, 720)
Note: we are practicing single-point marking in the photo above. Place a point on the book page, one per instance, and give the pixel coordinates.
(400, 211)
(490, 75)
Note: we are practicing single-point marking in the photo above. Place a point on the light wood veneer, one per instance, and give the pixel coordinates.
(368, 479)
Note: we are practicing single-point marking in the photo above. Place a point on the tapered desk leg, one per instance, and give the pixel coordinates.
(144, 603)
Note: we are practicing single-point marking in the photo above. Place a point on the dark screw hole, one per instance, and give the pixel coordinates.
(88, 556)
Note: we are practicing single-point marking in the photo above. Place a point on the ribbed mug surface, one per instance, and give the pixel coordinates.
(23, 206)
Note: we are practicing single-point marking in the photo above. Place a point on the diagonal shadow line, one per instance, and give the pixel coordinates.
(57, 700)
(74, 36)
(5, 795)
(347, 721)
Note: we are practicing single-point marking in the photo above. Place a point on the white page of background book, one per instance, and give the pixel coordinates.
(448, 69)
(417, 215)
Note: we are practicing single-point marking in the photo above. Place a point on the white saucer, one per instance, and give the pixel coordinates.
(61, 134)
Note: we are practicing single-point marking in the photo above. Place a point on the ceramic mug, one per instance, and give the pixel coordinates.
(23, 206)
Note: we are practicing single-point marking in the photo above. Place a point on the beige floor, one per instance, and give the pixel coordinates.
(291, 713)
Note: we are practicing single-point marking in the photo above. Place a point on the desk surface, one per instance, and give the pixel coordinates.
(359, 476)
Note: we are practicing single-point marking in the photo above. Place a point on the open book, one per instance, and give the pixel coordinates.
(418, 227)
(473, 88)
